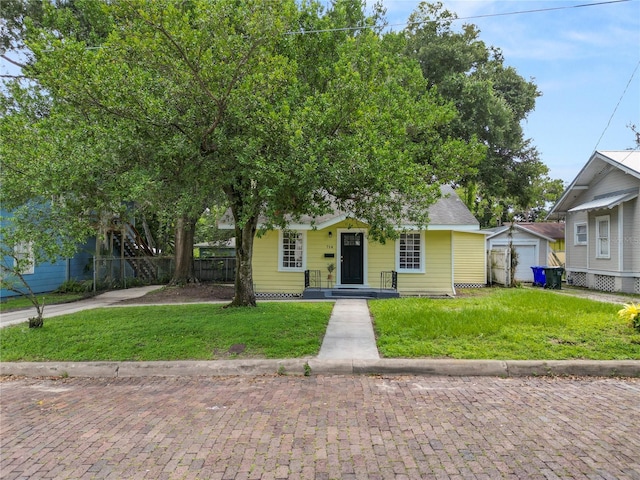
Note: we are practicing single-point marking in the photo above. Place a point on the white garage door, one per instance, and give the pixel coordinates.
(526, 260)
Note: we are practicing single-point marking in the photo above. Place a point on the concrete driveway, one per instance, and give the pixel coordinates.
(320, 427)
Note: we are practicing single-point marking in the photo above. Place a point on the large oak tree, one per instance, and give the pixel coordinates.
(493, 100)
(274, 106)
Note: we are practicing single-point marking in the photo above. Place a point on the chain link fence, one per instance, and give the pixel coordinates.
(124, 272)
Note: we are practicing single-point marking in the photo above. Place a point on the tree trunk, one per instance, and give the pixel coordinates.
(244, 294)
(185, 234)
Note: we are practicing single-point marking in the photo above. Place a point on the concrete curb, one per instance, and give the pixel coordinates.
(424, 367)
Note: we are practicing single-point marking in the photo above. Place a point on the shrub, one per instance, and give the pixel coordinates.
(75, 286)
(631, 313)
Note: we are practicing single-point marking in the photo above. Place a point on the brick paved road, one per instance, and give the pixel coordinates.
(320, 427)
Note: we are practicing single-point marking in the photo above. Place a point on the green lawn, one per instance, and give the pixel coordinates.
(492, 324)
(19, 303)
(504, 324)
(185, 332)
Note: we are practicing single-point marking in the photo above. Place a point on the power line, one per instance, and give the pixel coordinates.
(617, 105)
(472, 17)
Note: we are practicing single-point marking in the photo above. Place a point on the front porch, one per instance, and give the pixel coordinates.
(313, 287)
(342, 292)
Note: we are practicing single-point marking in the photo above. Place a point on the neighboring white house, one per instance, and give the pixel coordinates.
(602, 215)
(537, 244)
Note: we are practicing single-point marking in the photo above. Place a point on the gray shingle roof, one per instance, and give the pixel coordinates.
(448, 211)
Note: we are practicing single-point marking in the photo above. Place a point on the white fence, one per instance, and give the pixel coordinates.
(498, 265)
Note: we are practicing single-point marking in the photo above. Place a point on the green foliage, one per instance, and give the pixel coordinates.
(492, 100)
(207, 228)
(75, 286)
(631, 314)
(187, 332)
(503, 324)
(181, 106)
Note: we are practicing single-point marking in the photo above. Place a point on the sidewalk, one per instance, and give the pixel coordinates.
(349, 347)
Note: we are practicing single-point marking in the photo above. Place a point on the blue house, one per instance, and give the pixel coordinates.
(47, 277)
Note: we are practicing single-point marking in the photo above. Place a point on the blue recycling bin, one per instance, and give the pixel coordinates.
(539, 279)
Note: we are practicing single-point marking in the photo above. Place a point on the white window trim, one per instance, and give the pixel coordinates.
(422, 255)
(599, 253)
(25, 250)
(281, 252)
(575, 233)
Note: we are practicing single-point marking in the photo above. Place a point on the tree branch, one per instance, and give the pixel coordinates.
(160, 28)
(222, 103)
(14, 62)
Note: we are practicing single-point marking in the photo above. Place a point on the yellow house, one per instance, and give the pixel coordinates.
(334, 257)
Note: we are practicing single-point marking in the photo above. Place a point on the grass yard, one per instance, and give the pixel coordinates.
(185, 332)
(19, 303)
(483, 324)
(504, 324)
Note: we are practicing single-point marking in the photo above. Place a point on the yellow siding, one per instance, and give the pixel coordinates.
(557, 256)
(469, 258)
(266, 277)
(437, 278)
(557, 246)
(381, 258)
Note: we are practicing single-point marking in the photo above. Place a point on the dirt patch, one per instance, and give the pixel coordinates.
(192, 293)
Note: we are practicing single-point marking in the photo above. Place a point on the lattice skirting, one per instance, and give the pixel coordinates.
(278, 295)
(637, 287)
(605, 283)
(577, 279)
(469, 285)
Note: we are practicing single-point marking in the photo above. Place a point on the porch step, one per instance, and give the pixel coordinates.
(366, 293)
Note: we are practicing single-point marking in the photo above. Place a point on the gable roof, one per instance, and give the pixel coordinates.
(550, 231)
(450, 210)
(599, 165)
(447, 213)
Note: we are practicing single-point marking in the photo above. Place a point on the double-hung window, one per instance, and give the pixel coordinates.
(23, 258)
(603, 249)
(291, 251)
(410, 253)
(580, 233)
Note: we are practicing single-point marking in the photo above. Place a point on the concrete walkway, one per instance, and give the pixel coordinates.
(349, 333)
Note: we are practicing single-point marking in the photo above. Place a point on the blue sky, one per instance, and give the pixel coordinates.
(581, 59)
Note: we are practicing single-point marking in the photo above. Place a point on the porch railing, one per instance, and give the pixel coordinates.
(312, 279)
(389, 280)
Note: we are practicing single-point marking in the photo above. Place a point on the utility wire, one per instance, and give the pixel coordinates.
(472, 17)
(617, 105)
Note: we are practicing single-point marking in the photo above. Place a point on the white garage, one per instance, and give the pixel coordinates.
(531, 245)
(527, 255)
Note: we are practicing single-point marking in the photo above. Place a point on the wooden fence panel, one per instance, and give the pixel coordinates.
(498, 264)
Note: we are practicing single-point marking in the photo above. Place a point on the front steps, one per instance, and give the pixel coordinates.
(334, 293)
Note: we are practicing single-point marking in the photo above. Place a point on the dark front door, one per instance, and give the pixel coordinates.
(351, 271)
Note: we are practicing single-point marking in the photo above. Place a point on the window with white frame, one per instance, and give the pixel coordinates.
(602, 237)
(291, 250)
(410, 253)
(580, 233)
(23, 258)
